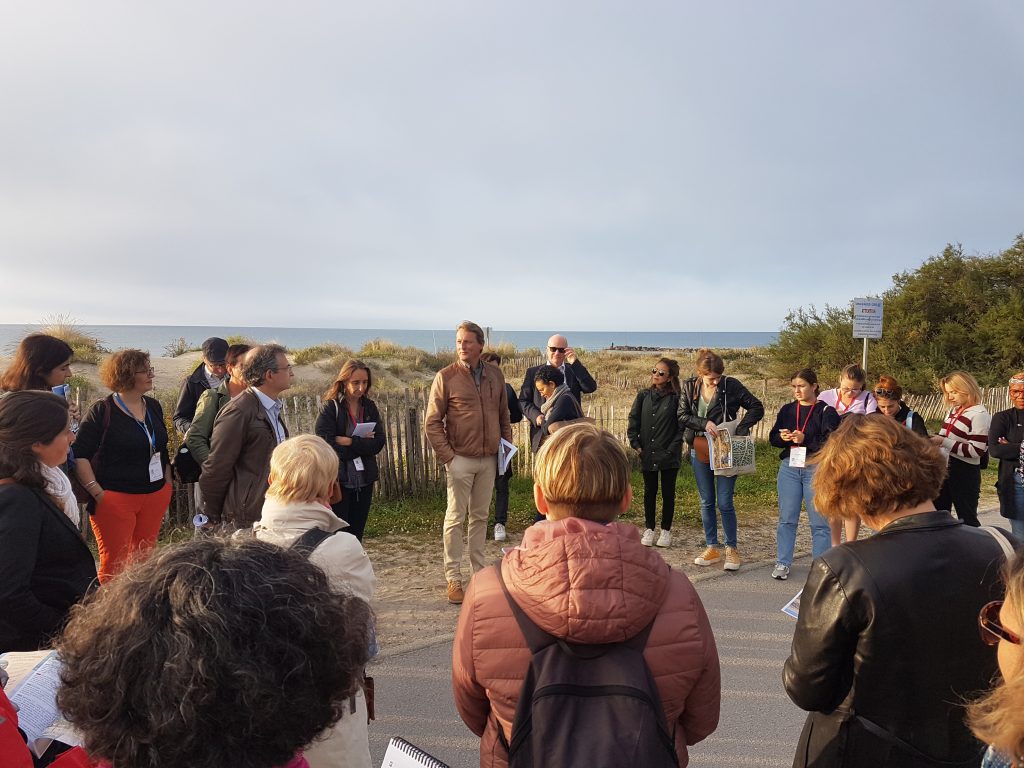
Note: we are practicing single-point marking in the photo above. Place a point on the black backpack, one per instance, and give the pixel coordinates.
(309, 541)
(587, 705)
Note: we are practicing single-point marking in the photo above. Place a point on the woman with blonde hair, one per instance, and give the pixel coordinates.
(707, 400)
(303, 479)
(885, 650)
(346, 405)
(963, 438)
(998, 718)
(121, 460)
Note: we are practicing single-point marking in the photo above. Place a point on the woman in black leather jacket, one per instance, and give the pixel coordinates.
(886, 650)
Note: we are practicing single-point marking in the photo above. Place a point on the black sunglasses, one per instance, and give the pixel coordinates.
(886, 393)
(556, 349)
(656, 372)
(990, 628)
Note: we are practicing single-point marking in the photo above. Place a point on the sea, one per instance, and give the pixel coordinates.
(157, 338)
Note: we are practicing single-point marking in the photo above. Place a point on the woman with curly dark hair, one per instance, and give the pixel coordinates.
(124, 437)
(45, 567)
(209, 654)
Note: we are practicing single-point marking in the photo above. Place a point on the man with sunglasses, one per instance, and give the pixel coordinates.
(577, 379)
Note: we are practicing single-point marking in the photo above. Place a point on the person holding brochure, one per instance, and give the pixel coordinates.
(351, 424)
(153, 675)
(45, 566)
(886, 649)
(801, 429)
(501, 480)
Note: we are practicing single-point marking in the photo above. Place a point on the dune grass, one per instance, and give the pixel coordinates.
(87, 347)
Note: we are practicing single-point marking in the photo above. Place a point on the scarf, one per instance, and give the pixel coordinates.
(59, 486)
(560, 390)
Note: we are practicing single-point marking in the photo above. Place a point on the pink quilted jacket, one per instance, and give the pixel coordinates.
(587, 583)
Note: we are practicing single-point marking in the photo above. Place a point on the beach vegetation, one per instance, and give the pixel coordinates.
(87, 347)
(179, 347)
(318, 352)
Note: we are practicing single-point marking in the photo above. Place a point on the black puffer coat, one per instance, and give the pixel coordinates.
(654, 430)
(886, 649)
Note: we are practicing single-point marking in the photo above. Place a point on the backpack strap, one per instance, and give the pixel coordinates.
(910, 419)
(310, 540)
(1001, 540)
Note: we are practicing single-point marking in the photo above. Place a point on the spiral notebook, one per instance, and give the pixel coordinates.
(402, 754)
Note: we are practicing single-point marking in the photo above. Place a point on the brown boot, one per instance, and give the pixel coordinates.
(455, 593)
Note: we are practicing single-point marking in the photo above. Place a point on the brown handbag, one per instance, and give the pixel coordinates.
(700, 447)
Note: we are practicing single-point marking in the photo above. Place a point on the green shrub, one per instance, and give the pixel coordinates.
(318, 352)
(87, 348)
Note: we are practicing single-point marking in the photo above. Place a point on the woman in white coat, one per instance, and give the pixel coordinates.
(303, 483)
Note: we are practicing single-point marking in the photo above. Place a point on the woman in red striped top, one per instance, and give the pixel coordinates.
(964, 438)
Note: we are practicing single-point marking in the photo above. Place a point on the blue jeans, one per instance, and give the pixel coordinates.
(707, 484)
(794, 485)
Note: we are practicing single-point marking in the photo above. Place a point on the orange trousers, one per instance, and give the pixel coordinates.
(126, 526)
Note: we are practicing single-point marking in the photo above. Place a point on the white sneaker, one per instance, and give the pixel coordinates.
(648, 538)
(499, 532)
(780, 572)
(665, 540)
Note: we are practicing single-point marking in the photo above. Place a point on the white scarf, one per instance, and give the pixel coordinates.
(59, 486)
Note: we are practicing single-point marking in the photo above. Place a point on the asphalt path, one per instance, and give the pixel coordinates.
(759, 725)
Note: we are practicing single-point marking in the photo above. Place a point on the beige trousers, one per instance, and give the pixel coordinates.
(470, 482)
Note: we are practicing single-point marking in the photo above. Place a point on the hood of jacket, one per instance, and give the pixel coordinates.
(586, 582)
(283, 521)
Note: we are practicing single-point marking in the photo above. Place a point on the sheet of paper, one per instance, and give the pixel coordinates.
(792, 608)
(506, 451)
(36, 699)
(19, 664)
(402, 754)
(364, 429)
(798, 457)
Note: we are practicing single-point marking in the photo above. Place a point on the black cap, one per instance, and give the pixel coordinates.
(215, 350)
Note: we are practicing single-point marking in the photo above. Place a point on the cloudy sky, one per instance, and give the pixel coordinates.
(587, 165)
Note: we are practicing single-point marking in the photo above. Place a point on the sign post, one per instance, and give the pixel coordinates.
(867, 323)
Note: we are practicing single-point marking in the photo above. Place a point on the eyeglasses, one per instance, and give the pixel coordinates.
(888, 394)
(278, 370)
(851, 391)
(146, 371)
(990, 628)
(1019, 392)
(656, 372)
(556, 349)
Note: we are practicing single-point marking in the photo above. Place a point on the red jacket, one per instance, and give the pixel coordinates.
(587, 583)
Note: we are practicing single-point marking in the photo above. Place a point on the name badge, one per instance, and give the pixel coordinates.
(156, 469)
(357, 462)
(798, 457)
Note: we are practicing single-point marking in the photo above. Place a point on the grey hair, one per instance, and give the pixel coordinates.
(259, 362)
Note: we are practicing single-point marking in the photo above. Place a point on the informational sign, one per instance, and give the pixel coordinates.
(867, 318)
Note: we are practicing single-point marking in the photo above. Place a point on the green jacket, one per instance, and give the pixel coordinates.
(198, 436)
(654, 430)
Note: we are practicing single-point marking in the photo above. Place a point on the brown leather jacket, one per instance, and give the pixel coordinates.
(234, 479)
(463, 420)
(587, 583)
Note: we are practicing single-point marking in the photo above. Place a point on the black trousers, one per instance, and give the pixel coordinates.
(961, 490)
(354, 508)
(668, 497)
(501, 495)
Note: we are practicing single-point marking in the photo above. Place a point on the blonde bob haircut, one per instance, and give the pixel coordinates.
(962, 382)
(873, 466)
(998, 717)
(302, 468)
(584, 471)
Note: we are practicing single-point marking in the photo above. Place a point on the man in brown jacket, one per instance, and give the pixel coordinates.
(467, 416)
(245, 433)
(585, 579)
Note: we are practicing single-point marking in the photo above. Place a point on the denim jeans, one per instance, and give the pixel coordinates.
(794, 485)
(709, 486)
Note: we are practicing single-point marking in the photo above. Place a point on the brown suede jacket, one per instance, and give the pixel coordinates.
(462, 420)
(586, 583)
(235, 474)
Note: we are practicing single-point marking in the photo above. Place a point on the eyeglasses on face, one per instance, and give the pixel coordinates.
(656, 372)
(1016, 391)
(990, 628)
(278, 370)
(851, 390)
(146, 372)
(888, 394)
(556, 349)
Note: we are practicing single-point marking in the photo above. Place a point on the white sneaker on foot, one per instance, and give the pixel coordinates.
(648, 538)
(665, 540)
(499, 532)
(780, 572)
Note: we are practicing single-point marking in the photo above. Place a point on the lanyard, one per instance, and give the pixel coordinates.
(150, 436)
(354, 419)
(809, 412)
(839, 402)
(951, 420)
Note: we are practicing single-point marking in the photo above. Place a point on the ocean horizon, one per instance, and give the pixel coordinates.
(156, 338)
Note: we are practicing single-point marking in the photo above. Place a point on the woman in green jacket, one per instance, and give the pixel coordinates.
(654, 432)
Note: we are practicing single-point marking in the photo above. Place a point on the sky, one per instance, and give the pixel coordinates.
(680, 166)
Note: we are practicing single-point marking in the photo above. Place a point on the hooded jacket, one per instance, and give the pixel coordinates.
(584, 582)
(341, 557)
(654, 430)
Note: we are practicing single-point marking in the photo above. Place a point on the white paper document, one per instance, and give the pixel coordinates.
(506, 451)
(35, 695)
(364, 429)
(402, 754)
(792, 608)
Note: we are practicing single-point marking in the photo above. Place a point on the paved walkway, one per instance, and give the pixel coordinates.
(759, 725)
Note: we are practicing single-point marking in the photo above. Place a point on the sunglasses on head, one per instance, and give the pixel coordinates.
(556, 349)
(990, 629)
(886, 393)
